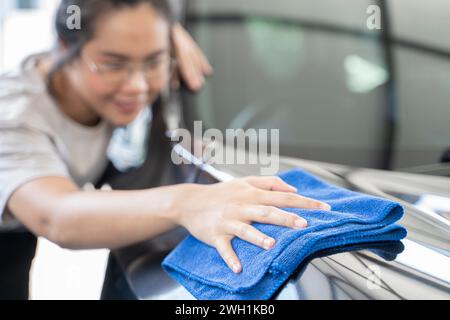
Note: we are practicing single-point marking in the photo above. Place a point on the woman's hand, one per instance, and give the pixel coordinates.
(216, 214)
(192, 63)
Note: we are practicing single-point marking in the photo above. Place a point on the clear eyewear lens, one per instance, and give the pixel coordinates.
(151, 73)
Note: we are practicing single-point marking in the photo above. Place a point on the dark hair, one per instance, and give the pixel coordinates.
(91, 11)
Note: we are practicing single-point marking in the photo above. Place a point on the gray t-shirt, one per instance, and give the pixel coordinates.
(38, 140)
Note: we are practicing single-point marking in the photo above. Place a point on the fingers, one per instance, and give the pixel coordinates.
(274, 216)
(228, 255)
(204, 64)
(259, 201)
(198, 58)
(189, 70)
(271, 184)
(290, 200)
(250, 234)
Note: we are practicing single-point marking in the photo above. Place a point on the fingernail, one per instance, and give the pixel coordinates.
(300, 223)
(293, 188)
(325, 207)
(236, 268)
(269, 243)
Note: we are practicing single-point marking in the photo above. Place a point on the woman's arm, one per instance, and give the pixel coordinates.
(55, 209)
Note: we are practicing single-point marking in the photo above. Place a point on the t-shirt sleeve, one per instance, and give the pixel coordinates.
(25, 155)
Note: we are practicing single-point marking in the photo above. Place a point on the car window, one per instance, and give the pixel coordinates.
(337, 91)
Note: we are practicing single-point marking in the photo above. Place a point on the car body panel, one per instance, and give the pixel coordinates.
(421, 271)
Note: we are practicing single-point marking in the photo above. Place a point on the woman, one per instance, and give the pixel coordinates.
(56, 119)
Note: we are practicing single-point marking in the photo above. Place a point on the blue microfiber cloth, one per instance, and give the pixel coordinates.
(355, 218)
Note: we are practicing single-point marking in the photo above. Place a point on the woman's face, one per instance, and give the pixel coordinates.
(135, 39)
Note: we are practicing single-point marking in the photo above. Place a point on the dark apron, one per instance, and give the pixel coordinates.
(17, 250)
